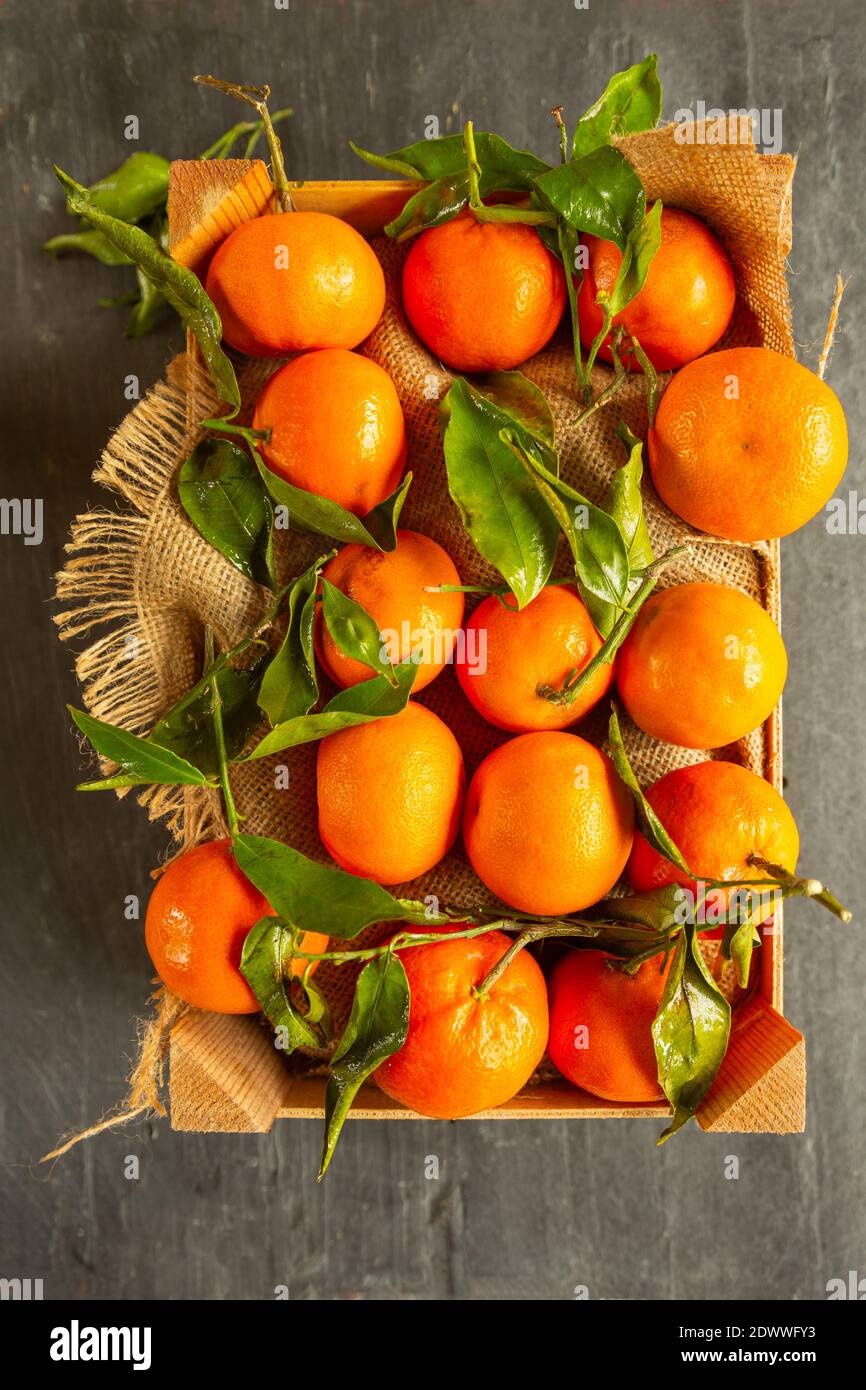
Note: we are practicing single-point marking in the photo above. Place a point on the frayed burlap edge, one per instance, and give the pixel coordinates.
(147, 1077)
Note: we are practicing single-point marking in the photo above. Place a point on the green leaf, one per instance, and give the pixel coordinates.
(442, 162)
(377, 1027)
(598, 193)
(640, 247)
(661, 910)
(187, 728)
(432, 205)
(141, 762)
(223, 496)
(360, 704)
(631, 102)
(625, 502)
(316, 897)
(91, 243)
(649, 822)
(290, 688)
(355, 632)
(148, 309)
(434, 159)
(381, 523)
(265, 958)
(307, 511)
(180, 286)
(690, 1031)
(738, 942)
(508, 522)
(597, 548)
(135, 190)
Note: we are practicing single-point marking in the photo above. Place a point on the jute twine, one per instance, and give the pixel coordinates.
(141, 584)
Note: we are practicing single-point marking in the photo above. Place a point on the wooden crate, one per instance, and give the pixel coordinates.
(225, 1074)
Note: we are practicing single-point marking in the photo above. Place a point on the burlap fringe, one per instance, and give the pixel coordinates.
(832, 323)
(147, 1077)
(117, 685)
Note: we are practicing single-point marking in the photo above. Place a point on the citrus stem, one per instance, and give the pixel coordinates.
(652, 381)
(582, 378)
(805, 887)
(503, 212)
(556, 113)
(257, 97)
(222, 147)
(603, 396)
(568, 693)
(227, 427)
(219, 736)
(529, 934)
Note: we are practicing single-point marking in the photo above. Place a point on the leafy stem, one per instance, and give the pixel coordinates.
(805, 887)
(257, 97)
(224, 426)
(501, 212)
(569, 692)
(219, 737)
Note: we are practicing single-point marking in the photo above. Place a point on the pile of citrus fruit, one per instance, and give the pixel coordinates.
(746, 444)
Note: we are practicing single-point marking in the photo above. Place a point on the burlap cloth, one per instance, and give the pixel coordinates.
(141, 583)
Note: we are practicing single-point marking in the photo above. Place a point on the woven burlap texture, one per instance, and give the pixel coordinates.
(141, 584)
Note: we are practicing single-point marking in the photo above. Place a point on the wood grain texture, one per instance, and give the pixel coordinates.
(518, 1211)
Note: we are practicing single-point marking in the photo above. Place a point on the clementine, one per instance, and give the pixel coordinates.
(198, 917)
(463, 1053)
(482, 296)
(390, 794)
(702, 666)
(685, 303)
(397, 588)
(509, 655)
(548, 824)
(291, 281)
(747, 444)
(600, 1022)
(337, 428)
(718, 814)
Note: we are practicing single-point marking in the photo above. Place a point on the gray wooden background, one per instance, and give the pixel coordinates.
(519, 1211)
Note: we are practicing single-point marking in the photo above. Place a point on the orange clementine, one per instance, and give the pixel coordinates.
(702, 666)
(482, 296)
(686, 301)
(198, 917)
(718, 814)
(463, 1054)
(337, 428)
(291, 281)
(509, 655)
(390, 794)
(747, 444)
(548, 824)
(600, 1022)
(396, 589)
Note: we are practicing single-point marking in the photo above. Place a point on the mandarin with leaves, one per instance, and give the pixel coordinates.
(512, 655)
(400, 589)
(467, 1051)
(336, 428)
(685, 303)
(720, 816)
(600, 1025)
(198, 917)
